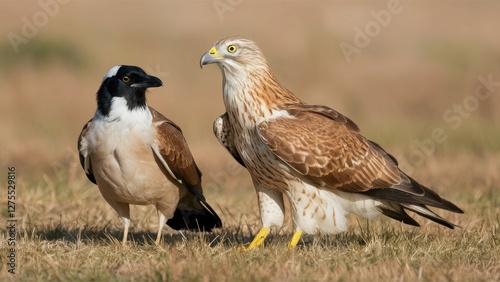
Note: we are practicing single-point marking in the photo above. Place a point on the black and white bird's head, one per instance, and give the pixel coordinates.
(123, 88)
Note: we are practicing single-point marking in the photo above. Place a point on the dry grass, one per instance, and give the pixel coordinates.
(67, 232)
(426, 60)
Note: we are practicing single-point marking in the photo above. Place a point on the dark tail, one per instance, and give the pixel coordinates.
(397, 211)
(194, 214)
(399, 200)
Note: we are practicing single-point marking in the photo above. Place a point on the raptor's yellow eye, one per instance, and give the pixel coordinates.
(231, 48)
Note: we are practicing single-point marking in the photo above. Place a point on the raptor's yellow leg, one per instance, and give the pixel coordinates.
(295, 239)
(259, 238)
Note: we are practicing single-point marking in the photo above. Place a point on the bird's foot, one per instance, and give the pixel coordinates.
(258, 239)
(295, 239)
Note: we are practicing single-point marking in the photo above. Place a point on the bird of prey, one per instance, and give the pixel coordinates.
(137, 156)
(311, 154)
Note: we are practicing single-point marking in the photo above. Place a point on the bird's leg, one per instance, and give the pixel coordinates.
(259, 238)
(160, 227)
(126, 224)
(123, 211)
(272, 211)
(295, 239)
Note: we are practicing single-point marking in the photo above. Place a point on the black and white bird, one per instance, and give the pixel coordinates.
(137, 156)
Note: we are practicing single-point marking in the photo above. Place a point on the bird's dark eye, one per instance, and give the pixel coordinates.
(232, 48)
(125, 79)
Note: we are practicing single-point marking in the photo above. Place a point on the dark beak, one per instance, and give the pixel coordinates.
(149, 81)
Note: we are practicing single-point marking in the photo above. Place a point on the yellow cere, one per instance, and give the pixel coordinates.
(213, 51)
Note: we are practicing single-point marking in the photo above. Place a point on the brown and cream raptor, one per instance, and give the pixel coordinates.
(312, 155)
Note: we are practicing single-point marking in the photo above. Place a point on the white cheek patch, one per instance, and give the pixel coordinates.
(111, 72)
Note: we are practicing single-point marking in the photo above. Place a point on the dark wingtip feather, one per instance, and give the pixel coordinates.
(407, 199)
(195, 220)
(424, 211)
(91, 178)
(443, 203)
(426, 197)
(399, 215)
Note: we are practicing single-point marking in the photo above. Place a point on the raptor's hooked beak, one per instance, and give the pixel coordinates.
(212, 56)
(149, 81)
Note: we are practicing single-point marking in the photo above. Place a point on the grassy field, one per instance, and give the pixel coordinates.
(67, 232)
(417, 74)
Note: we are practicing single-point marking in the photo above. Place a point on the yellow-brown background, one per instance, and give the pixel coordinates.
(427, 59)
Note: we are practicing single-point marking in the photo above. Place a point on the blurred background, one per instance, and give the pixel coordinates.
(400, 70)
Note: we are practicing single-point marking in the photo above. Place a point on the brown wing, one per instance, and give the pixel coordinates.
(193, 212)
(174, 150)
(327, 148)
(82, 152)
(223, 132)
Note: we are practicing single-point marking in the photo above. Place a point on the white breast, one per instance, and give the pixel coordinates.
(119, 147)
(120, 128)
